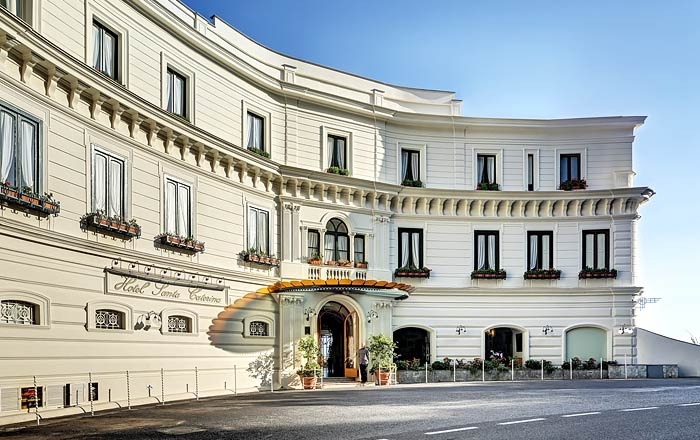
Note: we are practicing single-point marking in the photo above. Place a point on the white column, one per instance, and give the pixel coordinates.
(286, 239)
(296, 252)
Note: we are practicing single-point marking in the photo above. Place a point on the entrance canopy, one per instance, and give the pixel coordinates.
(386, 289)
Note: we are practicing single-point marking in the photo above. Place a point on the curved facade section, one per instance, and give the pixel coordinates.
(160, 169)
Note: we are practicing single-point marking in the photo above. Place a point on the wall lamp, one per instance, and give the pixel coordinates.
(309, 312)
(625, 330)
(547, 330)
(371, 315)
(461, 329)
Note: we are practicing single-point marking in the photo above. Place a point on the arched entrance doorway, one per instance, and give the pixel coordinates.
(504, 341)
(412, 343)
(338, 330)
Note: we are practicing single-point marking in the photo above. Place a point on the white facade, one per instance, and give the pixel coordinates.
(173, 110)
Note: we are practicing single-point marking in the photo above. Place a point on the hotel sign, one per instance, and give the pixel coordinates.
(119, 284)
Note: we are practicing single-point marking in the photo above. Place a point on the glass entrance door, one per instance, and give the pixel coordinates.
(350, 337)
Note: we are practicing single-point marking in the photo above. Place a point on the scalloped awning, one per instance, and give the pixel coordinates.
(388, 289)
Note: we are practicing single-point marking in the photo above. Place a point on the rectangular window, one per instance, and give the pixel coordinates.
(179, 324)
(410, 166)
(485, 168)
(359, 244)
(19, 150)
(337, 151)
(540, 249)
(20, 8)
(258, 227)
(109, 320)
(256, 129)
(105, 54)
(486, 255)
(569, 167)
(314, 244)
(176, 93)
(178, 208)
(410, 248)
(530, 172)
(107, 184)
(596, 249)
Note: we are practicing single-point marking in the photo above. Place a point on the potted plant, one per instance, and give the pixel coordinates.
(412, 272)
(361, 264)
(381, 349)
(9, 190)
(259, 152)
(310, 370)
(27, 195)
(315, 259)
(344, 263)
(330, 263)
(496, 274)
(589, 272)
(542, 274)
(573, 184)
(487, 186)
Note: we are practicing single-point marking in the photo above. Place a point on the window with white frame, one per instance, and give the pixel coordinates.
(18, 312)
(313, 247)
(539, 250)
(178, 208)
(569, 167)
(337, 152)
(410, 248)
(105, 55)
(19, 149)
(336, 243)
(108, 183)
(258, 328)
(179, 324)
(485, 168)
(596, 249)
(20, 8)
(176, 93)
(486, 250)
(258, 230)
(359, 248)
(530, 172)
(410, 167)
(109, 319)
(255, 138)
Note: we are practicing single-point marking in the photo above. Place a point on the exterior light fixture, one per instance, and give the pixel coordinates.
(547, 330)
(372, 315)
(148, 320)
(461, 329)
(625, 330)
(309, 312)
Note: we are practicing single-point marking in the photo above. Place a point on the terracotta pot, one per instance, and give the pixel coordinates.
(309, 383)
(382, 378)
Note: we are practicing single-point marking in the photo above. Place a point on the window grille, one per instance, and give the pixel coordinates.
(109, 319)
(258, 328)
(17, 312)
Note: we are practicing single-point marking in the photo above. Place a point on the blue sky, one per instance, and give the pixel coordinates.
(535, 59)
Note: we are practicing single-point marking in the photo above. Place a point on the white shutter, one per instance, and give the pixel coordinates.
(54, 396)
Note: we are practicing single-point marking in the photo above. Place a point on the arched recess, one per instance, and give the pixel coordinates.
(176, 313)
(415, 342)
(510, 339)
(587, 341)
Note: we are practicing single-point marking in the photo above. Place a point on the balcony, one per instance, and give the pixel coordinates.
(315, 272)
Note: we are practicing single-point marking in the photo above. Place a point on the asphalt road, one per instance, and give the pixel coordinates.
(606, 409)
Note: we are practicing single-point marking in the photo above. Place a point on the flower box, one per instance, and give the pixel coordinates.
(186, 244)
(413, 183)
(412, 272)
(487, 186)
(489, 274)
(338, 170)
(573, 184)
(315, 262)
(26, 199)
(344, 263)
(542, 274)
(252, 256)
(361, 265)
(597, 273)
(330, 263)
(97, 221)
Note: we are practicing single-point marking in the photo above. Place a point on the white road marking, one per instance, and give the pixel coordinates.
(468, 428)
(639, 409)
(521, 421)
(582, 414)
(690, 404)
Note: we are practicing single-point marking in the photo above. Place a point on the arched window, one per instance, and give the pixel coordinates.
(109, 319)
(258, 328)
(179, 324)
(586, 342)
(18, 312)
(337, 241)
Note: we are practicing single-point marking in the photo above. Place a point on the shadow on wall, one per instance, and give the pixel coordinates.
(227, 331)
(655, 349)
(261, 369)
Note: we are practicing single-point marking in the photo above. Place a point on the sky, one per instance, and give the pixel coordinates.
(535, 59)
